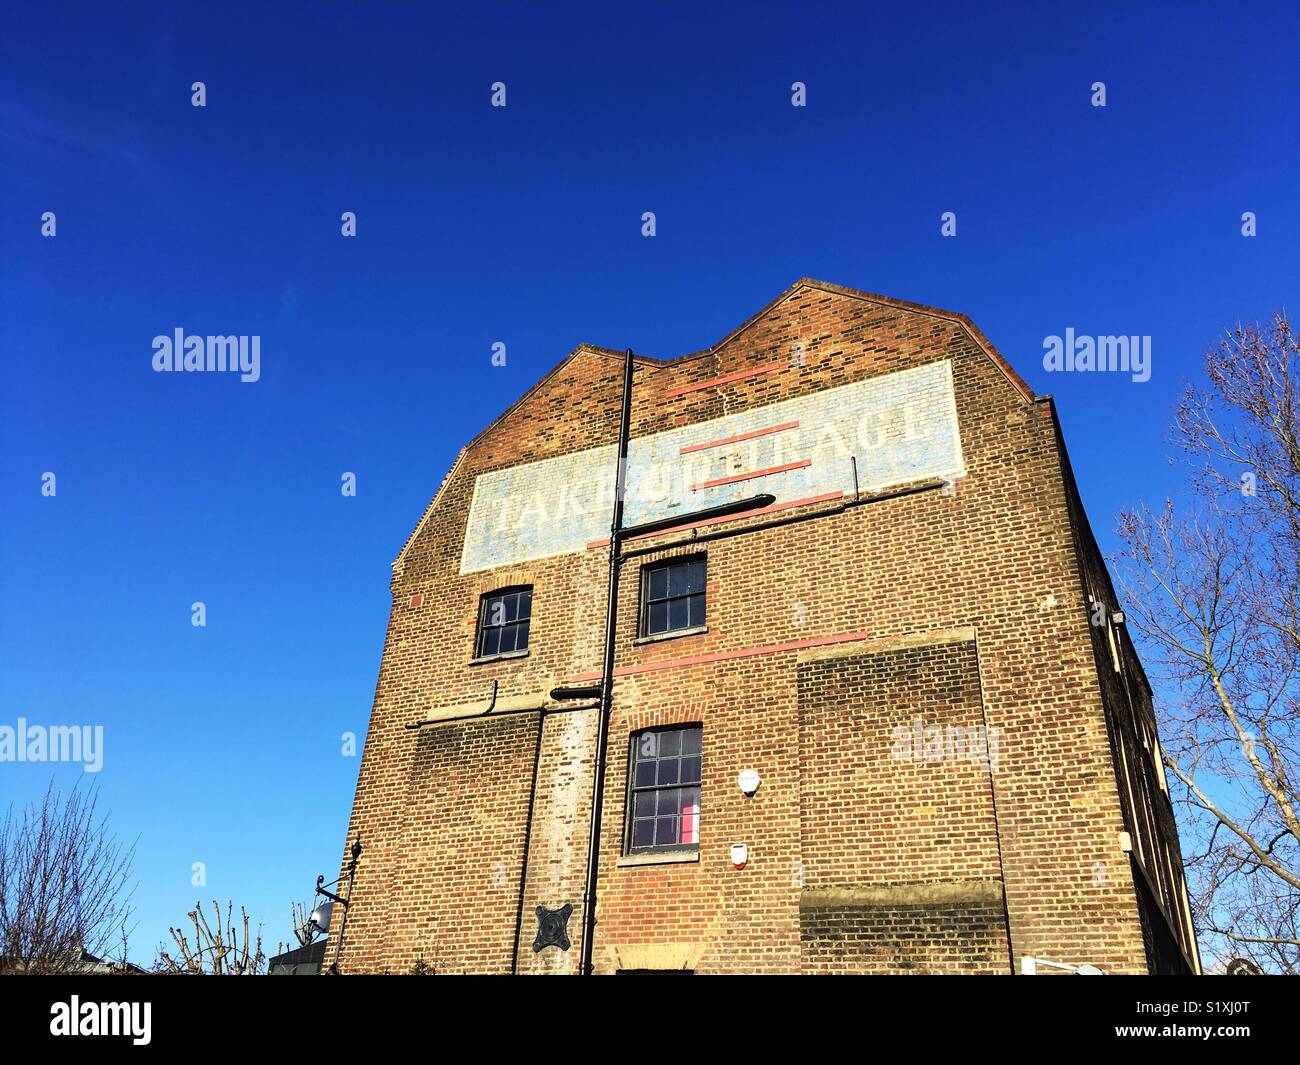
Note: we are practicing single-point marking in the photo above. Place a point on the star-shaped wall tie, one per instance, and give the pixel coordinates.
(552, 928)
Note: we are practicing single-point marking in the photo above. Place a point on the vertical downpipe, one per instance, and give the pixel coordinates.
(607, 679)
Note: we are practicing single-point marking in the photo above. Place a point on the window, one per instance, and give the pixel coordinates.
(672, 596)
(664, 790)
(503, 622)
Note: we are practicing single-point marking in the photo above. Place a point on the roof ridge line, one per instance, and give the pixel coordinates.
(976, 334)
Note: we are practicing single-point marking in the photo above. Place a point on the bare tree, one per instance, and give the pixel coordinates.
(218, 949)
(303, 929)
(1214, 588)
(63, 884)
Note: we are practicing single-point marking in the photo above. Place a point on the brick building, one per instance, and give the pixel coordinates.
(915, 646)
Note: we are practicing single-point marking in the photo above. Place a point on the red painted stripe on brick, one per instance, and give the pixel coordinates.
(739, 375)
(727, 656)
(727, 517)
(801, 464)
(739, 437)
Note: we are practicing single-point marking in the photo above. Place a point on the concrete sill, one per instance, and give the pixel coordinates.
(498, 658)
(659, 858)
(660, 636)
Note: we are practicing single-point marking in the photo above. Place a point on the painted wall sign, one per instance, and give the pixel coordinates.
(901, 427)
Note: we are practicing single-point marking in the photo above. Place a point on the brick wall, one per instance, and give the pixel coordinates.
(994, 559)
(897, 798)
(893, 935)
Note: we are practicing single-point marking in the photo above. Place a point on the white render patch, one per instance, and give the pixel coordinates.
(901, 427)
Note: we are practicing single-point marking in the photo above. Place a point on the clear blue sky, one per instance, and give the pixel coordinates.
(520, 225)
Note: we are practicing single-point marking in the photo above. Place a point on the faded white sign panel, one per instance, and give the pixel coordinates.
(901, 427)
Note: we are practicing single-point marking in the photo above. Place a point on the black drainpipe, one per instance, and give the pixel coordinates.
(616, 558)
(607, 678)
(528, 836)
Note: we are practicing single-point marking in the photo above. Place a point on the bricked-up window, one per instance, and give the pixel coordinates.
(503, 622)
(664, 790)
(672, 596)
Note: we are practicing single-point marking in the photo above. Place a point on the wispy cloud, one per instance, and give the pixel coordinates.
(51, 135)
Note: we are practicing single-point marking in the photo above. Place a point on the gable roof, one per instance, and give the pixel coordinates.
(985, 345)
(956, 317)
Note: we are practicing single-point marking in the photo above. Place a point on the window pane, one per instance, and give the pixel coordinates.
(697, 610)
(686, 578)
(678, 614)
(678, 578)
(664, 794)
(659, 582)
(658, 620)
(504, 626)
(695, 576)
(690, 824)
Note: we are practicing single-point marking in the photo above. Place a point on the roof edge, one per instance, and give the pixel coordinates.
(579, 350)
(976, 334)
(401, 555)
(956, 317)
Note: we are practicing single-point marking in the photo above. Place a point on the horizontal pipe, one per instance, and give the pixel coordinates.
(480, 716)
(752, 503)
(792, 519)
(588, 691)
